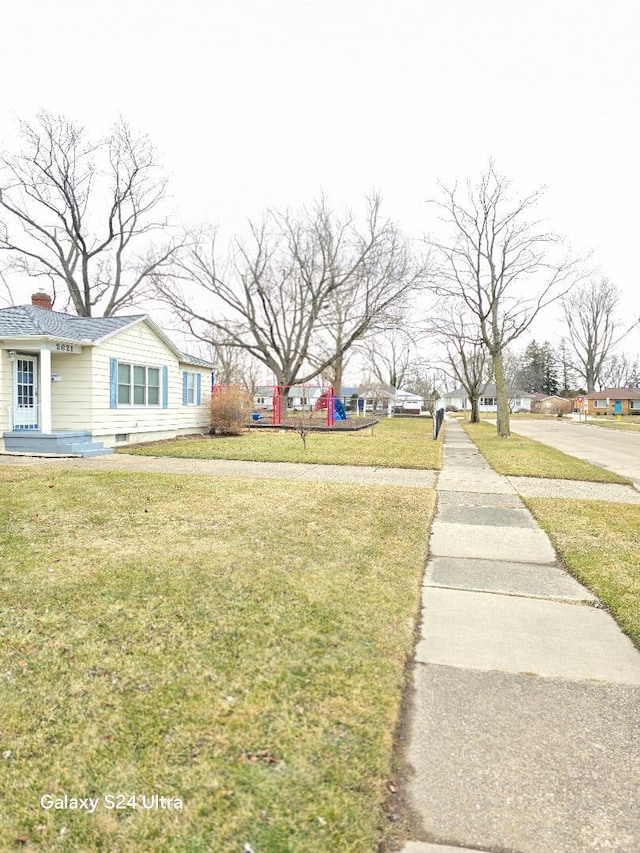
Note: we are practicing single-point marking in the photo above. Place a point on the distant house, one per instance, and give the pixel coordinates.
(300, 398)
(66, 381)
(488, 402)
(408, 403)
(541, 404)
(370, 398)
(611, 401)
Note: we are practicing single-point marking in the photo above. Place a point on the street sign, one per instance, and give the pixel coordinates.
(580, 399)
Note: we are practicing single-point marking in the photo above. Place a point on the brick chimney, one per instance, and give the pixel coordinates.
(41, 300)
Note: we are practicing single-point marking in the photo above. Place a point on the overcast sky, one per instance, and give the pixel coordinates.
(269, 102)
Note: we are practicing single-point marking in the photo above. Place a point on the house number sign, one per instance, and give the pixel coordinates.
(65, 348)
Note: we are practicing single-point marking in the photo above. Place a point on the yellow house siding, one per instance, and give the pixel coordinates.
(140, 345)
(71, 396)
(6, 390)
(196, 416)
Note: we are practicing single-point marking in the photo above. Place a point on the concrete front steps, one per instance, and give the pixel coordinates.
(36, 443)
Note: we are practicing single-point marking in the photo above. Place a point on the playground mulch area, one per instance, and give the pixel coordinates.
(352, 425)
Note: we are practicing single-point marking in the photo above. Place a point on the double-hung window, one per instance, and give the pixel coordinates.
(600, 404)
(138, 385)
(191, 388)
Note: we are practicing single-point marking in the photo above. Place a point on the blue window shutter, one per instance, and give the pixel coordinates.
(184, 387)
(113, 383)
(165, 387)
(198, 389)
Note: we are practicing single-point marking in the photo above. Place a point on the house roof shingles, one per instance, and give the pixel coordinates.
(187, 358)
(29, 321)
(615, 394)
(489, 391)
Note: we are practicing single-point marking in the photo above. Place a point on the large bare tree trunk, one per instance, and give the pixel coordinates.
(501, 394)
(475, 413)
(335, 373)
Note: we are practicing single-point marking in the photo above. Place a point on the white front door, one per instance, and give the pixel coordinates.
(25, 392)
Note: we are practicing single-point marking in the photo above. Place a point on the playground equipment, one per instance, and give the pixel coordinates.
(335, 409)
(309, 398)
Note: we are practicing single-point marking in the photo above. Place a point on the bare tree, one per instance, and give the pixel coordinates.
(594, 329)
(278, 295)
(7, 296)
(568, 378)
(232, 366)
(372, 303)
(83, 214)
(620, 371)
(499, 265)
(467, 361)
(391, 356)
(424, 381)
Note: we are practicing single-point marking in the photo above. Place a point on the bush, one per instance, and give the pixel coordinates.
(558, 408)
(230, 410)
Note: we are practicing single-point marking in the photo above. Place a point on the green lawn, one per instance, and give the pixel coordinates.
(598, 542)
(522, 457)
(238, 644)
(392, 443)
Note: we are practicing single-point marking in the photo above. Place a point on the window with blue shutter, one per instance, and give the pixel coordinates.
(113, 383)
(165, 387)
(191, 388)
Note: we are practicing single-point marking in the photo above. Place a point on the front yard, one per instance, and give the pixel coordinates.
(392, 443)
(237, 644)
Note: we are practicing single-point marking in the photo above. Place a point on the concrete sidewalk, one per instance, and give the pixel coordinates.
(524, 731)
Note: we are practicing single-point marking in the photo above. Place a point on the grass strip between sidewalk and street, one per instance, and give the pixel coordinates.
(518, 456)
(598, 542)
(238, 644)
(630, 424)
(391, 443)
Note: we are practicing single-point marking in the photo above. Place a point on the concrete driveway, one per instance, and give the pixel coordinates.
(613, 449)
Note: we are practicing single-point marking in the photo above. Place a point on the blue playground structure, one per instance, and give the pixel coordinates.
(339, 412)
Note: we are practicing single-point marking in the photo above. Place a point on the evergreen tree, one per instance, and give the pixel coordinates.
(550, 384)
(538, 371)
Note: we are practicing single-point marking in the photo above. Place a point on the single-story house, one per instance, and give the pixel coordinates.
(542, 404)
(488, 402)
(611, 401)
(407, 401)
(369, 398)
(67, 380)
(300, 398)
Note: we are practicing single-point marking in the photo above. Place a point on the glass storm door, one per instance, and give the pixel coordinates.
(25, 392)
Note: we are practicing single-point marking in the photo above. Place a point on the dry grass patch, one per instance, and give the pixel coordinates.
(392, 443)
(238, 644)
(598, 542)
(522, 457)
(628, 423)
